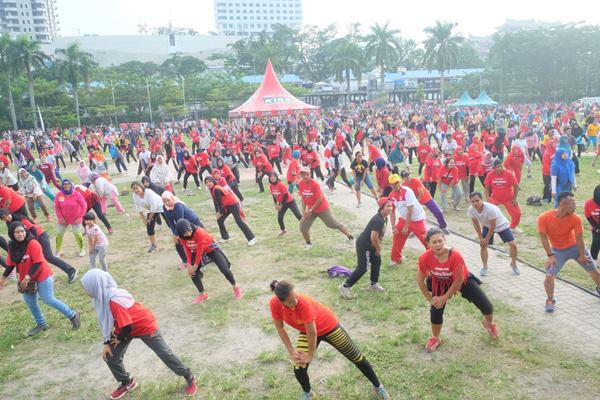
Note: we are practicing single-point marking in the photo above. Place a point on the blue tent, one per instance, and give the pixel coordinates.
(484, 100)
(464, 101)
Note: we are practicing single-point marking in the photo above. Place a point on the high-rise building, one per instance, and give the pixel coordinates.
(247, 17)
(37, 19)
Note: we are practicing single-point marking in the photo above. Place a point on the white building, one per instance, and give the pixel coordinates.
(37, 19)
(247, 17)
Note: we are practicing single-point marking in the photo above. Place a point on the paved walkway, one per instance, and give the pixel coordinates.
(574, 324)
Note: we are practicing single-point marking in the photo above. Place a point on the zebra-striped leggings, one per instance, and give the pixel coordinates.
(341, 341)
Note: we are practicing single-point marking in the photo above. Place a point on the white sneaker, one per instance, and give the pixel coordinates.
(517, 230)
(252, 242)
(12, 276)
(376, 287)
(346, 292)
(82, 253)
(224, 240)
(308, 246)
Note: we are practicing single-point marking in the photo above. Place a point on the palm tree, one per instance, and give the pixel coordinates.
(7, 64)
(347, 58)
(74, 66)
(382, 46)
(441, 49)
(28, 58)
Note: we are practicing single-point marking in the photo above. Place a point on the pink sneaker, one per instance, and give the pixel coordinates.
(492, 329)
(192, 387)
(432, 344)
(237, 293)
(123, 389)
(200, 298)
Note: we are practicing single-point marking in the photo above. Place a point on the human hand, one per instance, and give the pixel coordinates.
(438, 301)
(218, 215)
(23, 284)
(2, 281)
(582, 259)
(302, 358)
(106, 352)
(191, 270)
(405, 230)
(551, 261)
(483, 242)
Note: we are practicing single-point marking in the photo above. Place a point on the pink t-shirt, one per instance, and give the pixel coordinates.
(95, 232)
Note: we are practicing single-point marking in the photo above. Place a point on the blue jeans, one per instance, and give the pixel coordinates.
(46, 292)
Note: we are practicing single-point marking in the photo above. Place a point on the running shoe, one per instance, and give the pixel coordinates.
(237, 293)
(597, 289)
(252, 242)
(515, 270)
(446, 231)
(152, 248)
(223, 240)
(456, 208)
(76, 321)
(492, 329)
(200, 298)
(37, 329)
(82, 253)
(550, 305)
(517, 230)
(283, 232)
(483, 271)
(308, 246)
(192, 387)
(58, 254)
(307, 396)
(376, 287)
(395, 263)
(432, 344)
(123, 389)
(381, 393)
(73, 275)
(345, 291)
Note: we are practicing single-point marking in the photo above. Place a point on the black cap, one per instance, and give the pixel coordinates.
(497, 162)
(404, 174)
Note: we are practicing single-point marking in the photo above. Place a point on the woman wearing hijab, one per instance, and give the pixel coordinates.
(31, 190)
(99, 164)
(562, 175)
(149, 206)
(336, 163)
(83, 173)
(123, 319)
(229, 176)
(107, 191)
(592, 214)
(70, 207)
(7, 178)
(174, 210)
(283, 201)
(35, 277)
(41, 180)
(190, 166)
(156, 188)
(161, 173)
(198, 243)
(93, 202)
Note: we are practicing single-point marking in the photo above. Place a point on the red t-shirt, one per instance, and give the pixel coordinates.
(142, 320)
(8, 194)
(262, 164)
(592, 210)
(293, 171)
(382, 175)
(423, 152)
(307, 310)
(28, 225)
(273, 151)
(442, 274)
(459, 136)
(190, 165)
(279, 192)
(502, 185)
(201, 242)
(448, 176)
(462, 162)
(310, 193)
(33, 255)
(416, 184)
(195, 136)
(203, 159)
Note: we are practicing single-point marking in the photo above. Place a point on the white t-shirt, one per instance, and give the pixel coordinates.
(489, 213)
(405, 198)
(151, 203)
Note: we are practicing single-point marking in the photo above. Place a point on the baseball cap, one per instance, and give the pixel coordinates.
(404, 174)
(305, 170)
(394, 178)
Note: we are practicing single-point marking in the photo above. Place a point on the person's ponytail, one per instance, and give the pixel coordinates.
(282, 289)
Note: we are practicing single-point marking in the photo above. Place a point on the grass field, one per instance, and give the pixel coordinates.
(234, 350)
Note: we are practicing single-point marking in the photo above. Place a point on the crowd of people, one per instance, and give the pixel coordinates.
(402, 156)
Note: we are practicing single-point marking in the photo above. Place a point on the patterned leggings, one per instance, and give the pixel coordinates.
(341, 341)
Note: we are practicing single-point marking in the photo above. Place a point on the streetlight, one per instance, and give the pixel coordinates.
(149, 102)
(183, 91)
(587, 75)
(112, 89)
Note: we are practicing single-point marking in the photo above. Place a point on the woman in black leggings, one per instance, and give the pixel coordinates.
(316, 323)
(283, 201)
(441, 274)
(199, 244)
(592, 214)
(94, 202)
(43, 238)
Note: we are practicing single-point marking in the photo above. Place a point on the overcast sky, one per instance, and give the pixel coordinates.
(121, 17)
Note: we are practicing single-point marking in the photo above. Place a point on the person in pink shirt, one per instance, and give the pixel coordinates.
(70, 207)
(97, 241)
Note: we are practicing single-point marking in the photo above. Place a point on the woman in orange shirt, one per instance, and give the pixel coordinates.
(316, 324)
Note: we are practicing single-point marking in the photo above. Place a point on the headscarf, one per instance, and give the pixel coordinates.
(93, 176)
(18, 249)
(62, 186)
(296, 154)
(396, 155)
(564, 170)
(379, 162)
(168, 195)
(28, 184)
(183, 226)
(597, 194)
(103, 289)
(563, 143)
(160, 172)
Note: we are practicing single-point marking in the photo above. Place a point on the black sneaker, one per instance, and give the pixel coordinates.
(37, 329)
(73, 275)
(446, 231)
(76, 321)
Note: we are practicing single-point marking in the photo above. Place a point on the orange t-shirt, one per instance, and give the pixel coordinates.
(306, 311)
(560, 231)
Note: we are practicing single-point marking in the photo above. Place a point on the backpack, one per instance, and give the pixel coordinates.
(534, 200)
(338, 270)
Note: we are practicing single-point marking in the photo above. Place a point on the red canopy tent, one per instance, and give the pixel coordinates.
(271, 99)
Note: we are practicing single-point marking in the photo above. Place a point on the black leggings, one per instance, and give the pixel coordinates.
(130, 154)
(202, 169)
(97, 207)
(73, 155)
(276, 162)
(412, 150)
(365, 253)
(547, 192)
(44, 241)
(187, 176)
(470, 291)
(317, 171)
(595, 247)
(341, 341)
(281, 213)
(259, 177)
(334, 173)
(235, 189)
(235, 211)
(152, 224)
(221, 262)
(432, 187)
(533, 152)
(58, 158)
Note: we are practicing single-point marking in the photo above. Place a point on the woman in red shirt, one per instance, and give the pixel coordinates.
(25, 254)
(592, 214)
(274, 152)
(514, 161)
(461, 161)
(226, 203)
(283, 201)
(190, 166)
(448, 180)
(263, 167)
(316, 324)
(423, 152)
(123, 319)
(293, 171)
(475, 154)
(432, 167)
(201, 248)
(227, 173)
(441, 274)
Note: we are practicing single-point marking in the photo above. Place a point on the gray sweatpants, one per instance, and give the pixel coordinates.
(158, 346)
(100, 252)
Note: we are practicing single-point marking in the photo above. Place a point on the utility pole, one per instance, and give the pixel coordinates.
(149, 102)
(183, 90)
(112, 89)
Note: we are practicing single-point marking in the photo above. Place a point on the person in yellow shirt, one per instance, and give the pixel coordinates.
(592, 134)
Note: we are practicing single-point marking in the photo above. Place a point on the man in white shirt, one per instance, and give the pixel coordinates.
(411, 218)
(144, 158)
(449, 145)
(488, 220)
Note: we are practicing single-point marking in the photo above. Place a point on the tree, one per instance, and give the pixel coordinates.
(441, 49)
(383, 47)
(347, 58)
(75, 66)
(182, 66)
(29, 57)
(7, 63)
